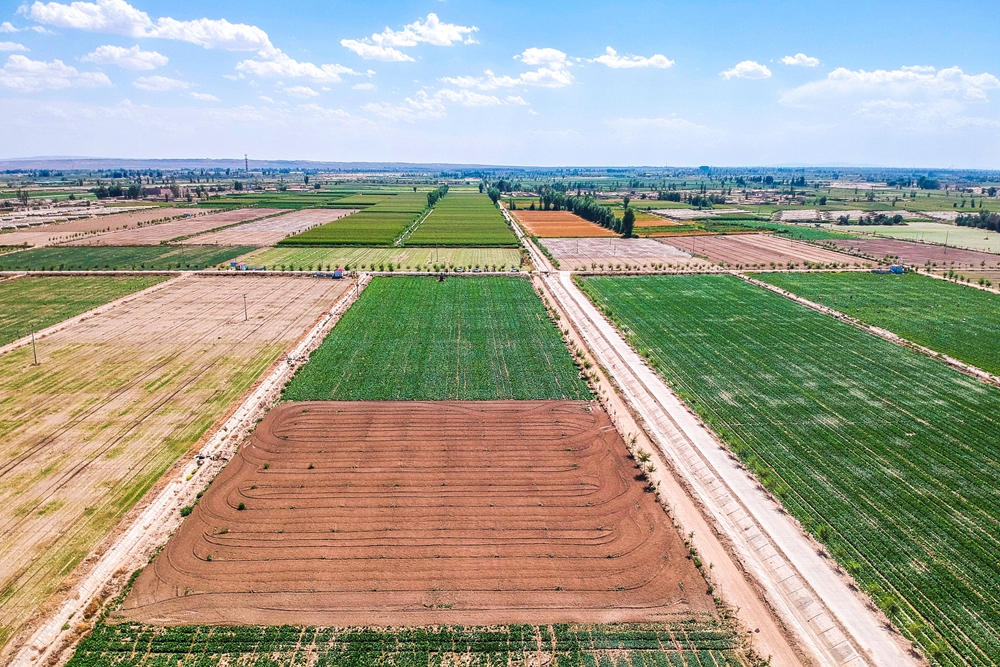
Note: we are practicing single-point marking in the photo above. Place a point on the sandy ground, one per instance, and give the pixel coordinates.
(559, 224)
(857, 214)
(909, 252)
(65, 231)
(271, 230)
(116, 399)
(756, 250)
(800, 215)
(691, 213)
(833, 624)
(196, 224)
(468, 513)
(584, 253)
(945, 216)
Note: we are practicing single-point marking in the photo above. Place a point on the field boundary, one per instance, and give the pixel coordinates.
(412, 228)
(136, 542)
(219, 229)
(885, 334)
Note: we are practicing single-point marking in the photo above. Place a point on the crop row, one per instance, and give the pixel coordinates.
(379, 224)
(464, 219)
(120, 258)
(889, 458)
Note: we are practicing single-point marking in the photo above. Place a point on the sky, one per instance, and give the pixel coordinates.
(657, 83)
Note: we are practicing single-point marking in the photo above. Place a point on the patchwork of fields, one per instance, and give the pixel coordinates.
(559, 224)
(888, 457)
(164, 232)
(34, 303)
(464, 219)
(112, 404)
(379, 259)
(947, 317)
(121, 258)
(269, 231)
(482, 338)
(381, 223)
(758, 250)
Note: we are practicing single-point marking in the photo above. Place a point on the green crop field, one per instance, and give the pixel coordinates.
(940, 233)
(122, 258)
(376, 259)
(290, 200)
(475, 338)
(954, 319)
(803, 232)
(464, 219)
(378, 225)
(34, 303)
(890, 458)
(696, 644)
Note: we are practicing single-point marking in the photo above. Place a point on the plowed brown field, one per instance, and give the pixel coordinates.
(419, 513)
(910, 252)
(58, 232)
(559, 223)
(757, 249)
(156, 234)
(268, 232)
(114, 400)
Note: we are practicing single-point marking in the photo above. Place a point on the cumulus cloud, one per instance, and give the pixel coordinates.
(12, 46)
(748, 69)
(204, 97)
(26, 75)
(159, 83)
(915, 84)
(413, 108)
(7, 26)
(382, 46)
(117, 17)
(801, 60)
(134, 58)
(304, 92)
(363, 86)
(281, 65)
(468, 98)
(615, 61)
(552, 72)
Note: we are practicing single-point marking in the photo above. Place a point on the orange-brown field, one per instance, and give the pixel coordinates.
(425, 513)
(559, 224)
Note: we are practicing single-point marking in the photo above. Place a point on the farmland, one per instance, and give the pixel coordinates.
(112, 404)
(919, 254)
(886, 456)
(163, 232)
(401, 258)
(559, 224)
(589, 253)
(378, 225)
(969, 238)
(34, 303)
(414, 338)
(695, 644)
(947, 317)
(269, 231)
(464, 219)
(124, 258)
(758, 250)
(59, 232)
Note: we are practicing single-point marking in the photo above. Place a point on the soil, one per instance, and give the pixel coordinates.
(156, 234)
(559, 223)
(573, 253)
(269, 231)
(757, 249)
(418, 513)
(63, 231)
(909, 252)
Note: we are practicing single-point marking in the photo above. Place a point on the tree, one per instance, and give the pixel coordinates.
(628, 223)
(305, 179)
(494, 194)
(626, 200)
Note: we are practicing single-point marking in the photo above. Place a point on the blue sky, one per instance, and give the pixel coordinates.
(521, 83)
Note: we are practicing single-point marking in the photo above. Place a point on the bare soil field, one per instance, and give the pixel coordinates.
(420, 513)
(559, 223)
(909, 252)
(268, 232)
(59, 232)
(196, 224)
(757, 249)
(114, 401)
(691, 213)
(574, 253)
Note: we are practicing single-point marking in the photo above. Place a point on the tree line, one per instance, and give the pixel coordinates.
(981, 220)
(434, 195)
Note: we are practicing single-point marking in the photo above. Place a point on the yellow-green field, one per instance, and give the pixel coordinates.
(933, 232)
(372, 258)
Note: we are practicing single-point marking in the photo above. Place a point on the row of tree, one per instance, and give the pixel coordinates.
(434, 195)
(872, 219)
(982, 220)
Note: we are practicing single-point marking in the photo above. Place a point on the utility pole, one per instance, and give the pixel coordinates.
(245, 318)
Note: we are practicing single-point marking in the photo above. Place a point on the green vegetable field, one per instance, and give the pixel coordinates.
(464, 219)
(475, 338)
(890, 458)
(402, 258)
(696, 644)
(34, 303)
(121, 258)
(954, 319)
(381, 223)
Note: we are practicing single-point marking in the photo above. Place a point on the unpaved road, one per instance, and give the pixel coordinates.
(831, 622)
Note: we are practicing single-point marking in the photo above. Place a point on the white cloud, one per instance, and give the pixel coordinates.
(204, 97)
(800, 59)
(12, 46)
(363, 86)
(516, 99)
(748, 69)
(117, 17)
(25, 75)
(918, 84)
(615, 61)
(7, 26)
(413, 108)
(381, 46)
(42, 30)
(303, 92)
(159, 83)
(552, 72)
(468, 98)
(265, 98)
(281, 65)
(134, 58)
